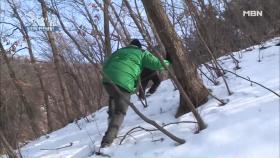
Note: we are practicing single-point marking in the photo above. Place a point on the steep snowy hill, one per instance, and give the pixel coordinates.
(246, 127)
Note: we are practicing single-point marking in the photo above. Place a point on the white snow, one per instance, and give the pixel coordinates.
(246, 127)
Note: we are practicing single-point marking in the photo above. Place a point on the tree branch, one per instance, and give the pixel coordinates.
(133, 130)
(249, 81)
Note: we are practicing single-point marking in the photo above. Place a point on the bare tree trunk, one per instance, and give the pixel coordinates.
(98, 38)
(72, 37)
(4, 144)
(127, 35)
(108, 50)
(90, 106)
(122, 35)
(160, 44)
(29, 110)
(58, 66)
(2, 122)
(184, 69)
(143, 32)
(141, 22)
(33, 62)
(173, 13)
(7, 146)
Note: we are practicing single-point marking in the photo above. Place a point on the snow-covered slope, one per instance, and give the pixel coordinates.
(246, 127)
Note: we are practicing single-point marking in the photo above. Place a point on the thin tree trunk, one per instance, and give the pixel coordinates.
(7, 146)
(122, 35)
(127, 34)
(108, 50)
(2, 122)
(173, 13)
(29, 110)
(33, 62)
(98, 38)
(72, 37)
(141, 30)
(141, 21)
(160, 44)
(58, 66)
(81, 51)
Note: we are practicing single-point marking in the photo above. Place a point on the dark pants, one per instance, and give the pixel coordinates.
(117, 111)
(146, 76)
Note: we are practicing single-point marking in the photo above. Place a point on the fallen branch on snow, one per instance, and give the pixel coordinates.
(249, 81)
(65, 146)
(133, 130)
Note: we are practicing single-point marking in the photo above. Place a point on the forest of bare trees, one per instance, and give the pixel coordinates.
(51, 53)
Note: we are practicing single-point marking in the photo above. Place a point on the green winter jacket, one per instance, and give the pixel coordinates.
(125, 65)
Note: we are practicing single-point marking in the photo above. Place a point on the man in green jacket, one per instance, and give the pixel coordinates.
(123, 69)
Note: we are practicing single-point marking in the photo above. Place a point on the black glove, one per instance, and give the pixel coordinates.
(167, 57)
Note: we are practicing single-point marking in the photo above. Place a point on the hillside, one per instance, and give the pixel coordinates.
(246, 127)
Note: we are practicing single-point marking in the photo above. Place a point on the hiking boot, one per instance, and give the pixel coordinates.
(105, 144)
(148, 94)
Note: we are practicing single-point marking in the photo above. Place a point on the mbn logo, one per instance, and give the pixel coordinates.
(252, 13)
